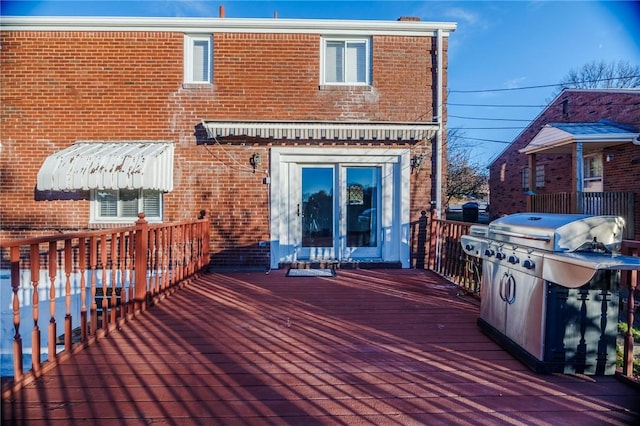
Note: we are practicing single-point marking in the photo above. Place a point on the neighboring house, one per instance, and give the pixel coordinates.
(302, 139)
(580, 155)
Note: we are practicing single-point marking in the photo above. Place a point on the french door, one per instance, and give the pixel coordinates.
(337, 212)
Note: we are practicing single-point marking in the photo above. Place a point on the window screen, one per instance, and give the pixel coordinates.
(346, 61)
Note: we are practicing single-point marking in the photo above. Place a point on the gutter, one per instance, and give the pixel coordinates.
(221, 25)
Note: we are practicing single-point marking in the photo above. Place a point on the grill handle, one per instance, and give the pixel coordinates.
(519, 235)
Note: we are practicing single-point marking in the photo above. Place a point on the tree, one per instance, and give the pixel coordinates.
(465, 180)
(601, 75)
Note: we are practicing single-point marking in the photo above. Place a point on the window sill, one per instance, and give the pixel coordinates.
(197, 86)
(346, 87)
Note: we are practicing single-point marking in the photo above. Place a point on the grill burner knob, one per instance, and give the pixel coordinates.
(469, 247)
(513, 260)
(528, 264)
(488, 252)
(500, 255)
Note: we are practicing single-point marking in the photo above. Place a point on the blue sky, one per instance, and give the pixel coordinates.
(498, 45)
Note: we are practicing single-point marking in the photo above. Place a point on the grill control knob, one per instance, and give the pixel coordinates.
(500, 255)
(489, 252)
(513, 259)
(528, 264)
(468, 247)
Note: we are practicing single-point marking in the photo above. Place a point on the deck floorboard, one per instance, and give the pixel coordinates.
(383, 347)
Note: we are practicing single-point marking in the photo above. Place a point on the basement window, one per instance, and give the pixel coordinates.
(123, 205)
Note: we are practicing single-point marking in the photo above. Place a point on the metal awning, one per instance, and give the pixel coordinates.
(559, 138)
(305, 130)
(109, 165)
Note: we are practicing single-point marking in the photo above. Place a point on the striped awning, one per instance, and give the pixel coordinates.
(109, 165)
(298, 130)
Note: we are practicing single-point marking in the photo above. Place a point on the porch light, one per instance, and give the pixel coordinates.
(255, 160)
(416, 162)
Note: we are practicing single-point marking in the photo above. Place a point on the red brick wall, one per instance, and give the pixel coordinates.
(61, 87)
(621, 174)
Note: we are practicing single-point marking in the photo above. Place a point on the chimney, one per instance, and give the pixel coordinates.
(409, 18)
(221, 11)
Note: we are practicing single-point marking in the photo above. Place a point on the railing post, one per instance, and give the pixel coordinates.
(422, 241)
(433, 238)
(141, 260)
(206, 242)
(627, 360)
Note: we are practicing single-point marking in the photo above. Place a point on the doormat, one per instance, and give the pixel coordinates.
(315, 272)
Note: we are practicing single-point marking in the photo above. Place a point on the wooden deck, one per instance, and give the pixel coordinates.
(384, 347)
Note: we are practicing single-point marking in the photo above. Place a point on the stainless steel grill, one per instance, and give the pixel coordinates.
(550, 288)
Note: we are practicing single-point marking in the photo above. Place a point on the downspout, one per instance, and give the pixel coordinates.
(439, 132)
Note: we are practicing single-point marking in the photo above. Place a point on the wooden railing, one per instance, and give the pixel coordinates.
(593, 203)
(86, 284)
(446, 257)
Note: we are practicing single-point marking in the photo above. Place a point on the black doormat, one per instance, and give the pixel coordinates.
(311, 272)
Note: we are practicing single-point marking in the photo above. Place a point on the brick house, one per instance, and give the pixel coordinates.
(302, 139)
(583, 149)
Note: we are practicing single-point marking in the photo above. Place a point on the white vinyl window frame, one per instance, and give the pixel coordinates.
(118, 206)
(355, 58)
(592, 179)
(198, 59)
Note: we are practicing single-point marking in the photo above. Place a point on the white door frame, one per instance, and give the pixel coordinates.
(395, 197)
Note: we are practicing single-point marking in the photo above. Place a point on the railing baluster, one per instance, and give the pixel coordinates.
(35, 304)
(93, 261)
(122, 257)
(103, 265)
(53, 270)
(131, 247)
(82, 266)
(17, 338)
(113, 311)
(68, 323)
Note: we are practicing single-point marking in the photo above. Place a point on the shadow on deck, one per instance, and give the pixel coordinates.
(386, 347)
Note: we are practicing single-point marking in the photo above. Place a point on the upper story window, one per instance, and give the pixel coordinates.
(114, 206)
(346, 61)
(197, 59)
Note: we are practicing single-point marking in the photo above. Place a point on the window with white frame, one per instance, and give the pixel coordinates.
(123, 205)
(592, 173)
(346, 61)
(197, 59)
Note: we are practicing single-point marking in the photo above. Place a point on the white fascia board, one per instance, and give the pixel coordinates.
(221, 25)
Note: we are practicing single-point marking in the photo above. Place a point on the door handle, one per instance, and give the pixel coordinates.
(512, 290)
(501, 286)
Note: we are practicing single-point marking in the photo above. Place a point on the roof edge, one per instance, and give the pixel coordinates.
(257, 25)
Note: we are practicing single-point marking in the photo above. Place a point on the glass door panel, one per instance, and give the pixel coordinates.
(317, 207)
(362, 211)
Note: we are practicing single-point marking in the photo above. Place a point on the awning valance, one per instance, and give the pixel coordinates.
(304, 130)
(109, 165)
(559, 138)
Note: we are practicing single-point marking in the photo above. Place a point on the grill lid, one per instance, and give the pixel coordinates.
(559, 232)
